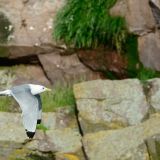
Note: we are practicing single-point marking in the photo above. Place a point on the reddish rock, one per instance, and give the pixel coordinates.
(103, 60)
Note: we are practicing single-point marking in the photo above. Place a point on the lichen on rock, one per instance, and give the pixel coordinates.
(6, 28)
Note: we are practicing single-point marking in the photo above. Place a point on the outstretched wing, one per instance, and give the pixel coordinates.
(39, 112)
(29, 105)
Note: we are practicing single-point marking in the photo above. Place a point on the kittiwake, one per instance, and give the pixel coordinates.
(27, 96)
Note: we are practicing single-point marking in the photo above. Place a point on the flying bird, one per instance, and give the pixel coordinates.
(28, 97)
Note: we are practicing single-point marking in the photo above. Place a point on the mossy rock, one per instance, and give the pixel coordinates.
(6, 28)
(25, 154)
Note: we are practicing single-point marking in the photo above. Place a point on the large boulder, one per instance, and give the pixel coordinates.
(65, 69)
(106, 104)
(124, 144)
(31, 23)
(138, 15)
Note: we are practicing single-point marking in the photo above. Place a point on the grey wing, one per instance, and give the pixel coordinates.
(39, 112)
(29, 106)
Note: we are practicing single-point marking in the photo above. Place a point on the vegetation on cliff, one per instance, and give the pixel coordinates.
(88, 24)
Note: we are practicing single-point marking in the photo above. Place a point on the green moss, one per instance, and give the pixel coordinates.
(130, 51)
(5, 28)
(147, 73)
(135, 68)
(87, 23)
(42, 127)
(6, 104)
(25, 154)
(4, 51)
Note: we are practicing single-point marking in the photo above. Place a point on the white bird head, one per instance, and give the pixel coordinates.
(37, 89)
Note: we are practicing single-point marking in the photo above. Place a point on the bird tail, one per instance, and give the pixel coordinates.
(5, 93)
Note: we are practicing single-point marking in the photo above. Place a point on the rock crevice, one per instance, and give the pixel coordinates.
(105, 136)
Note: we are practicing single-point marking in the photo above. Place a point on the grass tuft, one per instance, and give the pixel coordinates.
(5, 104)
(42, 127)
(88, 24)
(58, 97)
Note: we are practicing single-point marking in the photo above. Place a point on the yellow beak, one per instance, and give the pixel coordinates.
(48, 89)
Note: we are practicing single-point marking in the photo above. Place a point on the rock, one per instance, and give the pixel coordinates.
(11, 128)
(155, 6)
(68, 156)
(143, 19)
(6, 78)
(153, 144)
(60, 119)
(58, 133)
(103, 60)
(7, 148)
(30, 74)
(65, 140)
(65, 69)
(149, 50)
(123, 144)
(106, 104)
(156, 2)
(32, 24)
(61, 136)
(21, 74)
(24, 154)
(154, 94)
(138, 15)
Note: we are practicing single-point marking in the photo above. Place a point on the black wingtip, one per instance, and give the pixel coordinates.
(39, 121)
(30, 134)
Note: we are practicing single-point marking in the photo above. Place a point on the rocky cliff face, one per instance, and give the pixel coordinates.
(27, 32)
(119, 119)
(26, 36)
(143, 18)
(31, 22)
(116, 120)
